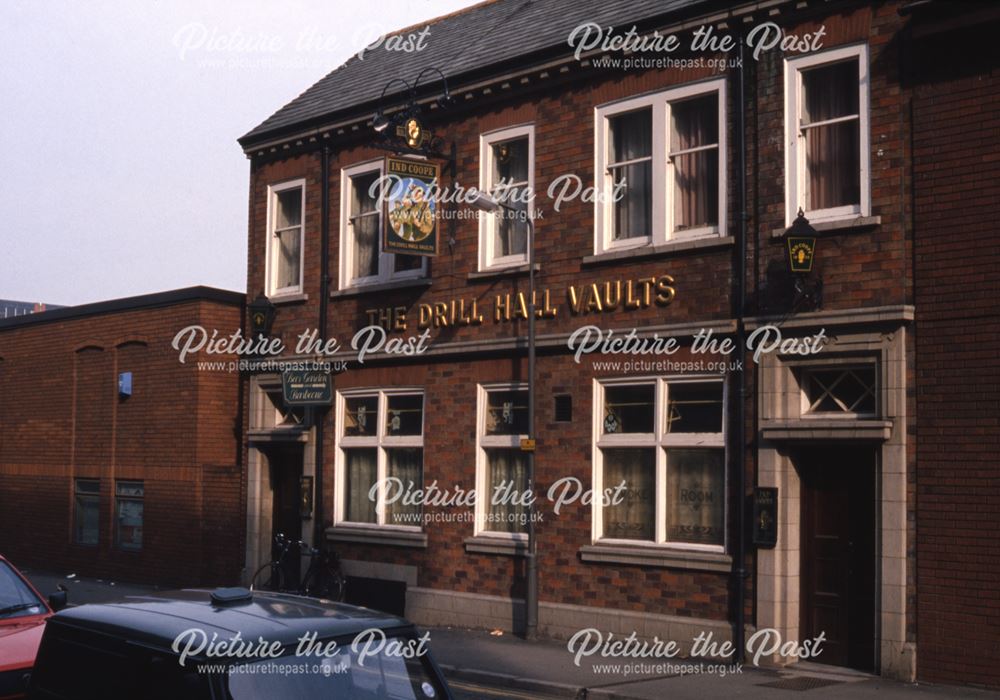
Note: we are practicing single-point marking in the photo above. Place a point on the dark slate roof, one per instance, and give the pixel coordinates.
(487, 35)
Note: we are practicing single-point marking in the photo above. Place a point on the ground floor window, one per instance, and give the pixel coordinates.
(502, 467)
(380, 457)
(659, 454)
(129, 496)
(86, 511)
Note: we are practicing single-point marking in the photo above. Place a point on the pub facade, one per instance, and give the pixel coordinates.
(769, 193)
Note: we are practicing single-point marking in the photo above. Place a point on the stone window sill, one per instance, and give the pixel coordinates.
(510, 271)
(289, 299)
(662, 249)
(381, 287)
(854, 223)
(392, 538)
(820, 429)
(666, 557)
(496, 545)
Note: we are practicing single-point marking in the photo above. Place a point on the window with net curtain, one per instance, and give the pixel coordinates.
(382, 447)
(830, 126)
(286, 255)
(365, 222)
(694, 157)
(670, 462)
(505, 465)
(509, 178)
(662, 167)
(630, 168)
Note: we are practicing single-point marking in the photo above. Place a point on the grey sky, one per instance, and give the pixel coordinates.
(121, 170)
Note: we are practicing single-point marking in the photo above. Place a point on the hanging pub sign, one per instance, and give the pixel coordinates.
(765, 517)
(411, 211)
(306, 387)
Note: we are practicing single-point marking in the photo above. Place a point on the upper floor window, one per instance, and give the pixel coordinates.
(827, 130)
(285, 228)
(660, 167)
(659, 453)
(507, 165)
(361, 222)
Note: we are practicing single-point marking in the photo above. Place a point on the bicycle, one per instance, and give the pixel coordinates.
(322, 579)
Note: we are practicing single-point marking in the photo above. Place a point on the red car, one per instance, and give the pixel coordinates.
(23, 612)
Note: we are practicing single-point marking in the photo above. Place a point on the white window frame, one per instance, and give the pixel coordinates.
(264, 414)
(795, 152)
(386, 261)
(484, 442)
(488, 221)
(661, 440)
(381, 442)
(663, 228)
(809, 369)
(270, 265)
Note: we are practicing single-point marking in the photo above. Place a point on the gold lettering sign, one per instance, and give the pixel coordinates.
(583, 299)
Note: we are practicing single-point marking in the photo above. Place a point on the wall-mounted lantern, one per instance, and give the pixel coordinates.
(262, 313)
(801, 241)
(403, 131)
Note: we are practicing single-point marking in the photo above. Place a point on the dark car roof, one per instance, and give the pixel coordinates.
(158, 618)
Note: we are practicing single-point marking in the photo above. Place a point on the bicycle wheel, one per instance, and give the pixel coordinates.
(326, 582)
(268, 578)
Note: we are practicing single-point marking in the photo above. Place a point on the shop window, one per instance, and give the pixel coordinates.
(502, 467)
(129, 497)
(840, 391)
(660, 450)
(86, 511)
(661, 167)
(285, 230)
(380, 457)
(827, 134)
(507, 160)
(362, 219)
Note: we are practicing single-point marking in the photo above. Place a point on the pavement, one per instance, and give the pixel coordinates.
(484, 665)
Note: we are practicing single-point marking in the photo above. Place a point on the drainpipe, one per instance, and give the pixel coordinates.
(739, 571)
(324, 296)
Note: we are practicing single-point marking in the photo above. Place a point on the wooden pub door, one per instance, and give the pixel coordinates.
(838, 566)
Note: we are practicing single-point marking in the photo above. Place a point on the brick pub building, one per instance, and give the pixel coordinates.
(880, 124)
(116, 460)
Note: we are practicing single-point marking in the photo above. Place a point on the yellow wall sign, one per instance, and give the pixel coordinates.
(578, 299)
(800, 253)
(411, 213)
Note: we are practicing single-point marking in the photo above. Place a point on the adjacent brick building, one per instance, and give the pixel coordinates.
(116, 460)
(879, 446)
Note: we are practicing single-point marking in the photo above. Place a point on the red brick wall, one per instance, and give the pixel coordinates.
(956, 122)
(62, 419)
(860, 268)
